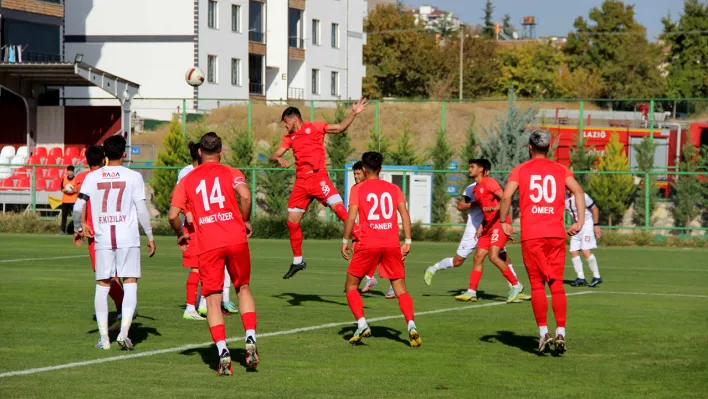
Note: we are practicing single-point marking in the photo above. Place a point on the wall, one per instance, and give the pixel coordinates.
(323, 56)
(276, 49)
(358, 10)
(50, 127)
(14, 124)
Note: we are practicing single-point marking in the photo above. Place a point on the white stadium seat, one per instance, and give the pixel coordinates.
(5, 172)
(22, 152)
(18, 160)
(4, 160)
(8, 152)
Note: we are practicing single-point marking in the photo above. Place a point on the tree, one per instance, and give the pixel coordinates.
(471, 148)
(488, 19)
(612, 192)
(579, 83)
(532, 69)
(339, 147)
(176, 154)
(444, 26)
(582, 158)
(689, 191)
(688, 54)
(645, 163)
(381, 144)
(507, 27)
(243, 147)
(441, 154)
(275, 184)
(481, 65)
(616, 47)
(405, 152)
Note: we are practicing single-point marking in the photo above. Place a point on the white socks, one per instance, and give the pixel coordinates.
(578, 266)
(512, 270)
(592, 264)
(560, 331)
(202, 302)
(130, 302)
(442, 265)
(542, 331)
(251, 334)
(361, 323)
(225, 294)
(190, 308)
(221, 346)
(411, 325)
(297, 260)
(100, 303)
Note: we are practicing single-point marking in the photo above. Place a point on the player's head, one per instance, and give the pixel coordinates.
(210, 147)
(358, 170)
(114, 148)
(95, 157)
(70, 172)
(291, 119)
(194, 152)
(539, 143)
(371, 161)
(479, 168)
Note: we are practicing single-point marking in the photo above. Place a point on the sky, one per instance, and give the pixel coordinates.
(555, 17)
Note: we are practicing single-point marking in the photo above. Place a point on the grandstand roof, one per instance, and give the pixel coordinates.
(60, 74)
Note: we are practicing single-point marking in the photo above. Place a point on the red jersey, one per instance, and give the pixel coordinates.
(79, 181)
(484, 195)
(541, 197)
(308, 147)
(208, 193)
(378, 216)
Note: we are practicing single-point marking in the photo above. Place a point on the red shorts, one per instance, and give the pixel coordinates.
(237, 259)
(92, 252)
(189, 257)
(388, 260)
(544, 258)
(314, 186)
(372, 271)
(492, 237)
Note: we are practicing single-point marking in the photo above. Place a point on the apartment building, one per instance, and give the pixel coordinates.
(275, 50)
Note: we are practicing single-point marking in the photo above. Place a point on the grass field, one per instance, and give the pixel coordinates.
(640, 334)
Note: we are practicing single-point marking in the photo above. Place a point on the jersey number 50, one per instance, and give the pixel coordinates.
(386, 203)
(543, 188)
(214, 198)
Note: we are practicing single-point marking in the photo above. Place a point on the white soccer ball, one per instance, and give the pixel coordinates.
(194, 76)
(69, 189)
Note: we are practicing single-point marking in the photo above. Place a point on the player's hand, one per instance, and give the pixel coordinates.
(359, 106)
(87, 230)
(151, 248)
(78, 238)
(283, 162)
(508, 230)
(345, 251)
(405, 249)
(574, 229)
(189, 218)
(478, 233)
(183, 241)
(249, 229)
(598, 231)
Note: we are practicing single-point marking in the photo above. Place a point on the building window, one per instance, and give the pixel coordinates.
(213, 17)
(235, 18)
(335, 83)
(335, 35)
(316, 31)
(315, 81)
(255, 22)
(256, 73)
(236, 72)
(211, 69)
(295, 28)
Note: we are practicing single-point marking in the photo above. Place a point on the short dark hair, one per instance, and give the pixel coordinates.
(372, 161)
(482, 163)
(358, 166)
(95, 156)
(290, 112)
(114, 147)
(70, 168)
(193, 150)
(540, 141)
(210, 143)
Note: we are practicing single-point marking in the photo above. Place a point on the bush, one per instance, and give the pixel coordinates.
(27, 223)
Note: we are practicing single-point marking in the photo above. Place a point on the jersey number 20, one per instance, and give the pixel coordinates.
(214, 198)
(543, 188)
(386, 203)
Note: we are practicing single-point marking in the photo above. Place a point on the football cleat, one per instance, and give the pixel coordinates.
(391, 294)
(370, 282)
(105, 346)
(414, 338)
(595, 282)
(252, 357)
(560, 347)
(193, 315)
(545, 342)
(522, 297)
(229, 307)
(125, 343)
(294, 269)
(225, 363)
(360, 333)
(467, 296)
(514, 293)
(579, 282)
(429, 274)
(202, 310)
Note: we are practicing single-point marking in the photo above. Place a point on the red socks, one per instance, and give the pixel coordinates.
(475, 276)
(405, 302)
(295, 238)
(357, 305)
(249, 320)
(559, 302)
(116, 294)
(340, 211)
(218, 333)
(509, 276)
(192, 288)
(539, 302)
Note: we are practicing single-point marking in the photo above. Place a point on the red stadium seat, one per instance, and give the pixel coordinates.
(40, 151)
(54, 185)
(40, 172)
(74, 152)
(7, 184)
(41, 184)
(22, 184)
(35, 160)
(56, 152)
(67, 160)
(52, 173)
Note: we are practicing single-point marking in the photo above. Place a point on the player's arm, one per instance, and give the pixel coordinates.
(245, 194)
(175, 220)
(595, 220)
(179, 202)
(465, 203)
(505, 206)
(498, 195)
(77, 215)
(142, 211)
(357, 108)
(277, 156)
(348, 227)
(579, 195)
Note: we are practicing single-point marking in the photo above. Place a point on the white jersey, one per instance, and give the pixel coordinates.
(184, 172)
(474, 214)
(572, 208)
(113, 192)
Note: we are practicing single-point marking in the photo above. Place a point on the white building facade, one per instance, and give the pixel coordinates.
(274, 50)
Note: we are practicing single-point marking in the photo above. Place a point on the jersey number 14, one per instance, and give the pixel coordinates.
(215, 197)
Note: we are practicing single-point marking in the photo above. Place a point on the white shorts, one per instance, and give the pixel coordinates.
(121, 262)
(584, 240)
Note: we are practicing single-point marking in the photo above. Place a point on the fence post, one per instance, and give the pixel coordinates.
(33, 189)
(253, 191)
(405, 185)
(184, 118)
(651, 122)
(444, 112)
(250, 118)
(377, 126)
(581, 115)
(647, 191)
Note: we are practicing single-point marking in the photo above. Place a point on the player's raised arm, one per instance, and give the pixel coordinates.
(357, 108)
(505, 206)
(579, 195)
(406, 221)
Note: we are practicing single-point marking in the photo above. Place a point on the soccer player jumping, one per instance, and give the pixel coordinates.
(542, 184)
(375, 202)
(312, 182)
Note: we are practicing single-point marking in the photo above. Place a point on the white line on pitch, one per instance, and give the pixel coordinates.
(51, 258)
(652, 294)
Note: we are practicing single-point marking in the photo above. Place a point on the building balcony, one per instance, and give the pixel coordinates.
(295, 93)
(256, 89)
(256, 37)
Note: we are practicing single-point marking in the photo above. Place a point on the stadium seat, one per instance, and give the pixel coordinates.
(18, 161)
(74, 152)
(56, 152)
(41, 184)
(41, 172)
(8, 152)
(52, 173)
(54, 185)
(5, 172)
(35, 160)
(67, 160)
(7, 184)
(22, 152)
(82, 153)
(40, 151)
(20, 173)
(4, 160)
(22, 185)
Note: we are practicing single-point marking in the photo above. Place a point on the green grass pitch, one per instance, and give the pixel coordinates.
(621, 344)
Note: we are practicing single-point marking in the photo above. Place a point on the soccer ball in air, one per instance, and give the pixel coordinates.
(69, 189)
(194, 76)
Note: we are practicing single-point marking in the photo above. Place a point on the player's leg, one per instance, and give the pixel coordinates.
(65, 208)
(392, 268)
(370, 280)
(116, 293)
(506, 258)
(516, 287)
(105, 269)
(476, 275)
(211, 270)
(226, 304)
(467, 244)
(588, 243)
(575, 244)
(555, 257)
(239, 268)
(128, 268)
(192, 287)
(298, 203)
(534, 258)
(361, 262)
